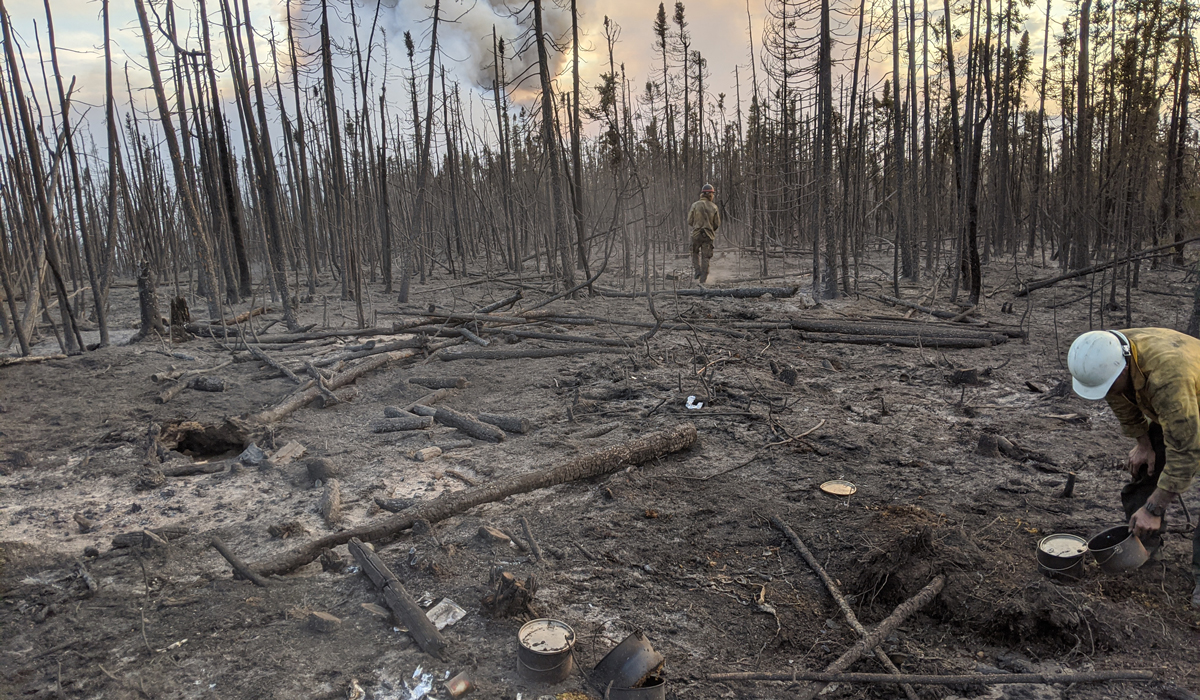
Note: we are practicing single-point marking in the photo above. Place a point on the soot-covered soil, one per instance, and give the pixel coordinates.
(680, 547)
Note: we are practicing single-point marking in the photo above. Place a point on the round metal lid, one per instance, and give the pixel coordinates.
(547, 636)
(839, 487)
(1061, 545)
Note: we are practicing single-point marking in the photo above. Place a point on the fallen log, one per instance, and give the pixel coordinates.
(735, 293)
(599, 463)
(523, 354)
(212, 331)
(406, 610)
(836, 594)
(440, 382)
(496, 306)
(402, 326)
(884, 630)
(399, 424)
(924, 679)
(5, 362)
(923, 309)
(326, 399)
(138, 539)
(429, 399)
(426, 454)
(376, 350)
(946, 324)
(568, 320)
(192, 469)
(666, 326)
(319, 335)
(468, 335)
(899, 341)
(264, 357)
(1041, 284)
(394, 505)
(210, 384)
(170, 391)
(878, 328)
(309, 392)
(509, 424)
(238, 565)
(467, 424)
(242, 317)
(330, 506)
(557, 337)
(461, 477)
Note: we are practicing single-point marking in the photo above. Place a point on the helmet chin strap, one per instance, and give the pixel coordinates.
(1126, 348)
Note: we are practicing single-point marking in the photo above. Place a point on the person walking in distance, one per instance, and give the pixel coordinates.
(704, 219)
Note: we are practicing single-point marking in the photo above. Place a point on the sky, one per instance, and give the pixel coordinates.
(718, 30)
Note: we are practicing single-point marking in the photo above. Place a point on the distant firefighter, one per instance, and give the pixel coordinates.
(704, 219)
(1150, 378)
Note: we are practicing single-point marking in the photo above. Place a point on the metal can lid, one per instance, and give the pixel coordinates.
(1063, 545)
(839, 487)
(546, 636)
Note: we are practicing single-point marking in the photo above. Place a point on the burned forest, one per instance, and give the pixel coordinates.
(532, 349)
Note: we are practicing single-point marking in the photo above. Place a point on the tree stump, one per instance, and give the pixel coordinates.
(180, 317)
(509, 596)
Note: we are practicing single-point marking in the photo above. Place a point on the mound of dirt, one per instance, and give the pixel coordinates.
(988, 590)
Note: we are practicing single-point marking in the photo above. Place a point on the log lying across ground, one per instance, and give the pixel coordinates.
(194, 468)
(139, 538)
(242, 317)
(505, 324)
(557, 337)
(509, 424)
(428, 400)
(439, 382)
(414, 342)
(735, 293)
(525, 353)
(435, 318)
(238, 565)
(920, 679)
(467, 424)
(599, 463)
(6, 361)
(925, 309)
(876, 328)
(953, 318)
(284, 338)
(406, 610)
(396, 424)
(496, 306)
(568, 320)
(897, 340)
(309, 391)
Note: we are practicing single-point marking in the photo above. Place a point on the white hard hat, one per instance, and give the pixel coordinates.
(1096, 359)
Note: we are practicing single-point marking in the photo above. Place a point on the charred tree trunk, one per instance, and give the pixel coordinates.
(550, 144)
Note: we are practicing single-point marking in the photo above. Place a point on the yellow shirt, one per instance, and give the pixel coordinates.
(704, 216)
(1165, 374)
